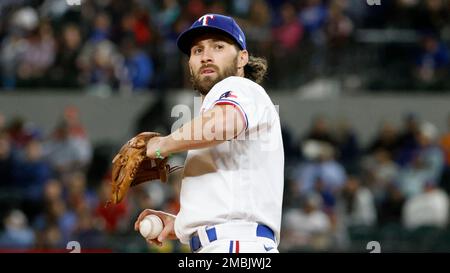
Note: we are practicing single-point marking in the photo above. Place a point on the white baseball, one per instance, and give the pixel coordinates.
(151, 226)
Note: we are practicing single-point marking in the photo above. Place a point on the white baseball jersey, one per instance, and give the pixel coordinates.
(240, 179)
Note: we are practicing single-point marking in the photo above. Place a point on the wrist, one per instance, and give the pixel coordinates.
(158, 154)
(156, 148)
(163, 151)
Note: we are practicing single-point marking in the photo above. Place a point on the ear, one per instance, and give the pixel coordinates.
(190, 69)
(242, 58)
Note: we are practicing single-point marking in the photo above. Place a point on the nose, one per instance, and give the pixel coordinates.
(206, 56)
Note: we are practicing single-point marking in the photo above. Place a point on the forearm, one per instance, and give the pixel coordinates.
(210, 129)
(192, 135)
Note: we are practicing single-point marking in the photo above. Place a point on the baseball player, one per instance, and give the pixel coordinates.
(232, 185)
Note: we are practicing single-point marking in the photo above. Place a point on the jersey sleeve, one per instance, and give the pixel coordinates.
(233, 92)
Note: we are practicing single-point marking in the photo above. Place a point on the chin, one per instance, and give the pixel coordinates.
(209, 78)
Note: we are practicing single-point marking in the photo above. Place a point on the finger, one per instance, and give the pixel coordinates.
(164, 233)
(154, 241)
(140, 217)
(136, 224)
(143, 214)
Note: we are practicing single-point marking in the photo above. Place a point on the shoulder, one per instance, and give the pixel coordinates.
(239, 83)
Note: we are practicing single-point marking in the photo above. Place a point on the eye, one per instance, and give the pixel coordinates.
(197, 50)
(219, 46)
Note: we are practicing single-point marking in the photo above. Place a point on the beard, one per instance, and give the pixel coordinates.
(204, 85)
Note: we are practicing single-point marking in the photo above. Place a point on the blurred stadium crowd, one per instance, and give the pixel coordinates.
(114, 45)
(339, 194)
(54, 188)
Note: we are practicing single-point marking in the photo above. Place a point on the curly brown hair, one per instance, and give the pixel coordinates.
(256, 69)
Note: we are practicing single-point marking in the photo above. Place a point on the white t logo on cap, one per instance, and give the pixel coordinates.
(205, 19)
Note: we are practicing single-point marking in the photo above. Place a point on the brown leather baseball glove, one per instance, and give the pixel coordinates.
(131, 167)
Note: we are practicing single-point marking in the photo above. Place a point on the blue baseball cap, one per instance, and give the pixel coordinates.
(211, 23)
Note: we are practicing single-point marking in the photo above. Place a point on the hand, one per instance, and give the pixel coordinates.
(154, 144)
(168, 231)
